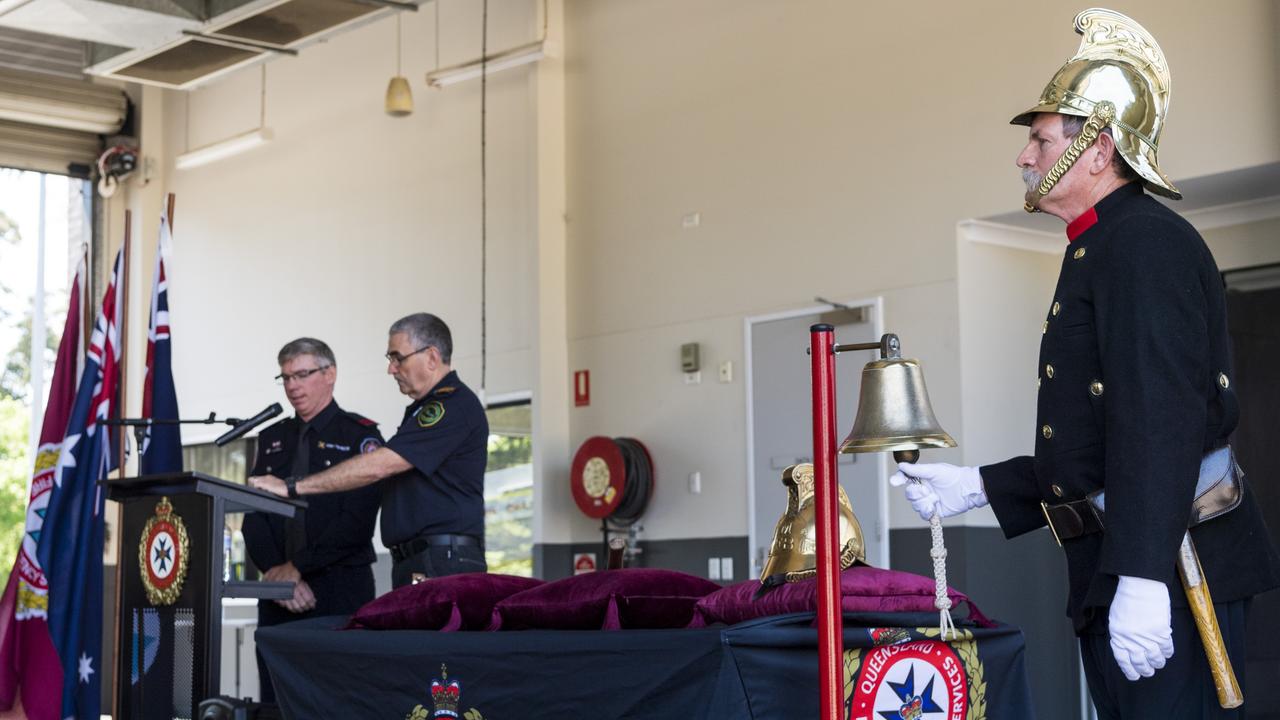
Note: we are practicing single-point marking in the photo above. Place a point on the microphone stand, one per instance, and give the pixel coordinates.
(140, 425)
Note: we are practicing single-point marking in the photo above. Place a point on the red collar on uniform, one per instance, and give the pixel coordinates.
(1076, 227)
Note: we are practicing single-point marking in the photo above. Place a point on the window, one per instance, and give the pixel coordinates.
(44, 228)
(508, 489)
(231, 462)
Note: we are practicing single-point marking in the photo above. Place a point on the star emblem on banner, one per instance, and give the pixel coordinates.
(86, 667)
(913, 705)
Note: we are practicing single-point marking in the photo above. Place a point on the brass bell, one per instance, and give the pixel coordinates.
(793, 554)
(894, 413)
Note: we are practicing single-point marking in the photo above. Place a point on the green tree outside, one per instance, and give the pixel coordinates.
(15, 477)
(509, 515)
(15, 469)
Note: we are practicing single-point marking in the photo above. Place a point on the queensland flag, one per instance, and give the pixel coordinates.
(162, 445)
(70, 547)
(29, 667)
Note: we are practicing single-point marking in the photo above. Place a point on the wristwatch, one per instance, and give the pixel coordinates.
(292, 484)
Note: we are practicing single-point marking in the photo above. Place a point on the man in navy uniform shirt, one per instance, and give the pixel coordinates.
(327, 551)
(1134, 390)
(431, 471)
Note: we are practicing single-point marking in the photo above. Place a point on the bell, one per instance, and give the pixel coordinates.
(894, 412)
(793, 554)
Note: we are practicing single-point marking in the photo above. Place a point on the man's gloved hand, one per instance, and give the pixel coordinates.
(950, 489)
(1140, 627)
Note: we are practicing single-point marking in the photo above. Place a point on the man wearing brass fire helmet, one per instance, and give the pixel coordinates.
(1135, 402)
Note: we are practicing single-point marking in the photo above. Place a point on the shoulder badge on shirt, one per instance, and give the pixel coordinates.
(362, 419)
(444, 391)
(369, 444)
(430, 414)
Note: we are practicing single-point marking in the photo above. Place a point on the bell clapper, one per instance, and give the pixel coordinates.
(937, 551)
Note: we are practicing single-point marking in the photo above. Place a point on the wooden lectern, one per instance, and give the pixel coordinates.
(172, 585)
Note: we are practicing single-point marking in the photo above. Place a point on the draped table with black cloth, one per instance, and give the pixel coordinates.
(765, 668)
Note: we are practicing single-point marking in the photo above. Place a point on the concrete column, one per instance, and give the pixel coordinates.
(551, 350)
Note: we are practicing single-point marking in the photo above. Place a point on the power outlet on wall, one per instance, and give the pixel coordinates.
(720, 568)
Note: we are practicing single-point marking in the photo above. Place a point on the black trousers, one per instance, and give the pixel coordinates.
(439, 561)
(1183, 688)
(338, 590)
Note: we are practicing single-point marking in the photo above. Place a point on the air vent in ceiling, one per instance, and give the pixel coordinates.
(239, 37)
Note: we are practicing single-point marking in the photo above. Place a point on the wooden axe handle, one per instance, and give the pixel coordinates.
(1201, 603)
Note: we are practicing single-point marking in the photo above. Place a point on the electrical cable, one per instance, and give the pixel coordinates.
(484, 199)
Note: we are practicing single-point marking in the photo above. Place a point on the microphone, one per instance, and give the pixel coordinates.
(244, 426)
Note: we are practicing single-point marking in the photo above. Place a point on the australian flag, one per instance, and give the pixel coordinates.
(161, 450)
(70, 548)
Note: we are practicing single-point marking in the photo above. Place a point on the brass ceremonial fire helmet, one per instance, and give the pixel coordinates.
(793, 555)
(1118, 78)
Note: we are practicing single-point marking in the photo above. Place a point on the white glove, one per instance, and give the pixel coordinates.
(947, 489)
(1141, 633)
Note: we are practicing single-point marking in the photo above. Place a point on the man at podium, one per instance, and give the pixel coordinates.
(432, 469)
(326, 550)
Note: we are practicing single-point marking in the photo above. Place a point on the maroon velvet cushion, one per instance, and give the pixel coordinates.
(606, 600)
(456, 602)
(863, 589)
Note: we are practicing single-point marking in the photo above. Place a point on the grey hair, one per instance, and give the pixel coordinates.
(1071, 127)
(426, 330)
(307, 346)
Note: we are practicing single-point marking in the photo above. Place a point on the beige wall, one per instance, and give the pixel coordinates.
(349, 218)
(1245, 245)
(1004, 295)
(830, 148)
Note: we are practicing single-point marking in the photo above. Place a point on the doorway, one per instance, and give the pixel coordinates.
(779, 419)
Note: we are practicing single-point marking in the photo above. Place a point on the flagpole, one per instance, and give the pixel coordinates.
(86, 308)
(122, 296)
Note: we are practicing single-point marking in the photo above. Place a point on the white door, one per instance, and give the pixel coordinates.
(782, 421)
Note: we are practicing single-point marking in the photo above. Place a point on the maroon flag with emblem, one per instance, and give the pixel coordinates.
(29, 665)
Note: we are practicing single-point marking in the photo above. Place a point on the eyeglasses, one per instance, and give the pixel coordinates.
(396, 358)
(285, 378)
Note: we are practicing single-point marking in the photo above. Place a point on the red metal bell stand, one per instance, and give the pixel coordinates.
(830, 621)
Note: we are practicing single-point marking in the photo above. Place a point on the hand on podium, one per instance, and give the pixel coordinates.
(269, 483)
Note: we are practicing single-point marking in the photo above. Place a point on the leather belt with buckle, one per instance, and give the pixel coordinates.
(412, 547)
(1071, 520)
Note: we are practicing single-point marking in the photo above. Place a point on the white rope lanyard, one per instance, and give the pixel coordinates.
(938, 552)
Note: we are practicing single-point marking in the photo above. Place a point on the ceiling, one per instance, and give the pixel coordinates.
(170, 43)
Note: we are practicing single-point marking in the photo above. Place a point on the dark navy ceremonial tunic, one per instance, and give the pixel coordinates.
(445, 437)
(1135, 386)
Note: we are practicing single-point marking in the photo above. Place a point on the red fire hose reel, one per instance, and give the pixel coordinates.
(612, 478)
